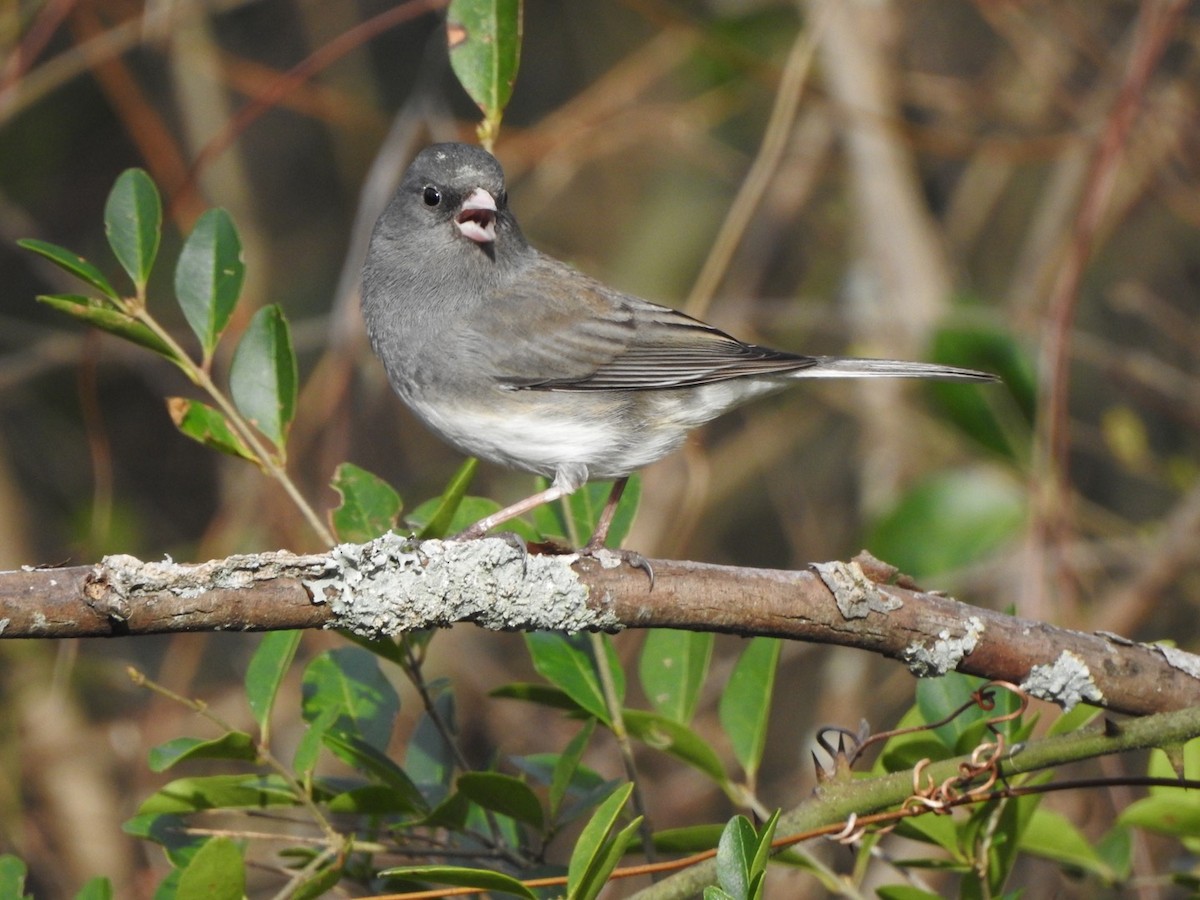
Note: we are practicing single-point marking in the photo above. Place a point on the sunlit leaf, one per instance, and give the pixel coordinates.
(264, 674)
(484, 38)
(349, 679)
(71, 262)
(216, 872)
(369, 507)
(133, 222)
(232, 745)
(263, 377)
(745, 705)
(208, 276)
(100, 314)
(208, 426)
(672, 668)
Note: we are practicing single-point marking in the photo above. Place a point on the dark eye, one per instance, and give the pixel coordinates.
(432, 196)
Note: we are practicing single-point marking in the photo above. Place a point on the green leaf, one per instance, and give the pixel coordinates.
(97, 888)
(567, 663)
(72, 263)
(484, 38)
(951, 519)
(264, 674)
(541, 694)
(689, 839)
(442, 515)
(100, 314)
(349, 679)
(462, 877)
(712, 892)
(208, 426)
(132, 222)
(369, 505)
(904, 892)
(574, 518)
(370, 761)
(372, 800)
(998, 417)
(208, 276)
(676, 739)
(12, 876)
(308, 748)
(613, 850)
(217, 872)
(504, 794)
(567, 765)
(233, 745)
(745, 706)
(319, 883)
(1051, 835)
(168, 830)
(762, 852)
(1176, 814)
(587, 856)
(187, 795)
(735, 854)
(263, 377)
(672, 669)
(430, 759)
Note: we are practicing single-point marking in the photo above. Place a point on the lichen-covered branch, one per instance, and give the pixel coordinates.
(391, 585)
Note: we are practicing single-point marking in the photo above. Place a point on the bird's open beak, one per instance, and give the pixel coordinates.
(477, 219)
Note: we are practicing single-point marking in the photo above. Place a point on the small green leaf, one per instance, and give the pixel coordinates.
(735, 855)
(308, 748)
(367, 759)
(264, 674)
(762, 853)
(369, 505)
(951, 519)
(676, 739)
(484, 37)
(567, 663)
(463, 877)
(588, 853)
(597, 875)
(73, 263)
(208, 426)
(263, 377)
(504, 794)
(672, 668)
(12, 876)
(1051, 835)
(319, 883)
(430, 759)
(217, 872)
(349, 679)
(567, 765)
(187, 795)
(132, 222)
(689, 839)
(208, 276)
(541, 694)
(100, 314)
(233, 745)
(372, 800)
(97, 888)
(440, 518)
(745, 706)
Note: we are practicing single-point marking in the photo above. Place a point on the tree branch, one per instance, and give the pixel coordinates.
(391, 585)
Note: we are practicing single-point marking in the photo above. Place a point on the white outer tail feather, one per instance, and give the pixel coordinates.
(843, 367)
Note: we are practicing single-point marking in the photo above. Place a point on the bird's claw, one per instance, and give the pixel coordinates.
(629, 557)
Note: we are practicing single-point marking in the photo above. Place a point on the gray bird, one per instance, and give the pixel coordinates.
(517, 358)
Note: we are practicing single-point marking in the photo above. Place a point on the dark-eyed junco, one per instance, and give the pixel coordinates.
(517, 358)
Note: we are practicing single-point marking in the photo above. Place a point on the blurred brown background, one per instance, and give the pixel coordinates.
(1009, 182)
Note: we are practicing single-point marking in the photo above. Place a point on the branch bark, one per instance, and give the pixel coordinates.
(390, 585)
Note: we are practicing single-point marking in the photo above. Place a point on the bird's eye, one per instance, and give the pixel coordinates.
(432, 196)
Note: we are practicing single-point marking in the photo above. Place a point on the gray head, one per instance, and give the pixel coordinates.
(452, 203)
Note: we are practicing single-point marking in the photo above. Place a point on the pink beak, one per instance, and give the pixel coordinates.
(477, 220)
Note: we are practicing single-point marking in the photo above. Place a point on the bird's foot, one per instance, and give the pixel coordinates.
(629, 557)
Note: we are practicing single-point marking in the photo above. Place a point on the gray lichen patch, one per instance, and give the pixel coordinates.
(1066, 681)
(1188, 663)
(945, 653)
(391, 585)
(856, 595)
